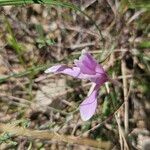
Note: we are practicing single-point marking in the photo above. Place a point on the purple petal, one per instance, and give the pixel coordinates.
(97, 78)
(54, 68)
(88, 106)
(90, 69)
(99, 69)
(86, 63)
(74, 72)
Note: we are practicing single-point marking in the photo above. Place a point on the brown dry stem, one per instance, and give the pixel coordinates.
(125, 92)
(46, 135)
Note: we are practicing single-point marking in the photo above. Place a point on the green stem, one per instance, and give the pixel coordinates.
(24, 73)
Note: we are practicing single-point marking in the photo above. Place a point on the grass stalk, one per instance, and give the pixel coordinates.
(125, 92)
(46, 135)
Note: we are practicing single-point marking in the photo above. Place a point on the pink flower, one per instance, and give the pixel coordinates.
(85, 68)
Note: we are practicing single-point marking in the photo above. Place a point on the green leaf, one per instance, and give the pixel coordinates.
(50, 41)
(106, 110)
(144, 44)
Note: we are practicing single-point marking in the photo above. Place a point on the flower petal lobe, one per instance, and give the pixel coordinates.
(74, 72)
(88, 106)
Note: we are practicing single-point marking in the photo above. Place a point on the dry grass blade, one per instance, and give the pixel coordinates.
(36, 134)
(122, 135)
(125, 91)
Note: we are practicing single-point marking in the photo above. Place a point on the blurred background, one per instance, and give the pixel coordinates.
(34, 37)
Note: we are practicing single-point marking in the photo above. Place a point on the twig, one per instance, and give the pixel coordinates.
(87, 4)
(135, 16)
(125, 92)
(46, 135)
(81, 45)
(79, 29)
(112, 7)
(122, 137)
(97, 51)
(126, 147)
